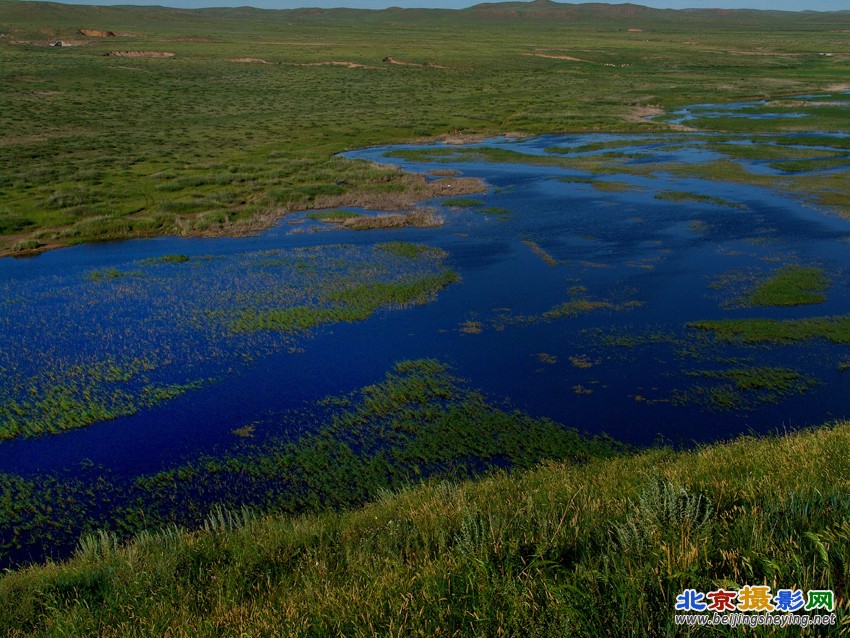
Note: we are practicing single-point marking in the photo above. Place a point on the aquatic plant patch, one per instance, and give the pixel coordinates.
(790, 286)
(743, 388)
(420, 420)
(777, 331)
(185, 320)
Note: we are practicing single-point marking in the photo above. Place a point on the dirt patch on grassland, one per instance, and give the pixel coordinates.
(643, 114)
(96, 33)
(52, 43)
(248, 60)
(139, 54)
(459, 137)
(551, 56)
(349, 65)
(391, 60)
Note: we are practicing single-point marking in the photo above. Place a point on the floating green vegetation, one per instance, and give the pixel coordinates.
(790, 286)
(418, 421)
(410, 250)
(814, 140)
(610, 186)
(463, 202)
(548, 259)
(333, 216)
(685, 196)
(349, 305)
(110, 273)
(576, 307)
(630, 339)
(81, 395)
(568, 309)
(188, 324)
(771, 148)
(498, 211)
(581, 361)
(423, 218)
(167, 259)
(835, 329)
(744, 387)
(492, 154)
(245, 432)
(588, 148)
(802, 166)
(471, 327)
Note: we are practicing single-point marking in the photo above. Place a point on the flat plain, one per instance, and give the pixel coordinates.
(243, 123)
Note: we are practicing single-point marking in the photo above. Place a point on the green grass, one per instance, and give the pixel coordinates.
(333, 216)
(463, 202)
(577, 307)
(419, 420)
(743, 388)
(802, 166)
(109, 274)
(685, 196)
(167, 259)
(790, 286)
(97, 147)
(87, 395)
(410, 251)
(835, 329)
(536, 553)
(348, 305)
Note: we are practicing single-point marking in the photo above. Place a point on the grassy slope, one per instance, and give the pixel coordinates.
(599, 549)
(95, 147)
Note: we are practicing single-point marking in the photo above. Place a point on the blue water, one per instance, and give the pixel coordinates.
(654, 263)
(745, 109)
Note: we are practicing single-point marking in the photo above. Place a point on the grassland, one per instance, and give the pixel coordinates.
(96, 147)
(600, 548)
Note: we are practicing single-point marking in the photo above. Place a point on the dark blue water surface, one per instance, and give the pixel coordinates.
(647, 266)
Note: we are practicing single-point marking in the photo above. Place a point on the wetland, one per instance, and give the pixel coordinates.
(551, 316)
(314, 320)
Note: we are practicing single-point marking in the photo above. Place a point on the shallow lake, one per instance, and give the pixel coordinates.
(576, 294)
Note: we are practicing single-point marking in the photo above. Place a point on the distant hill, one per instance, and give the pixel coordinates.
(545, 10)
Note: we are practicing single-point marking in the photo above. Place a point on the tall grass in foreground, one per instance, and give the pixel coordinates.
(600, 549)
